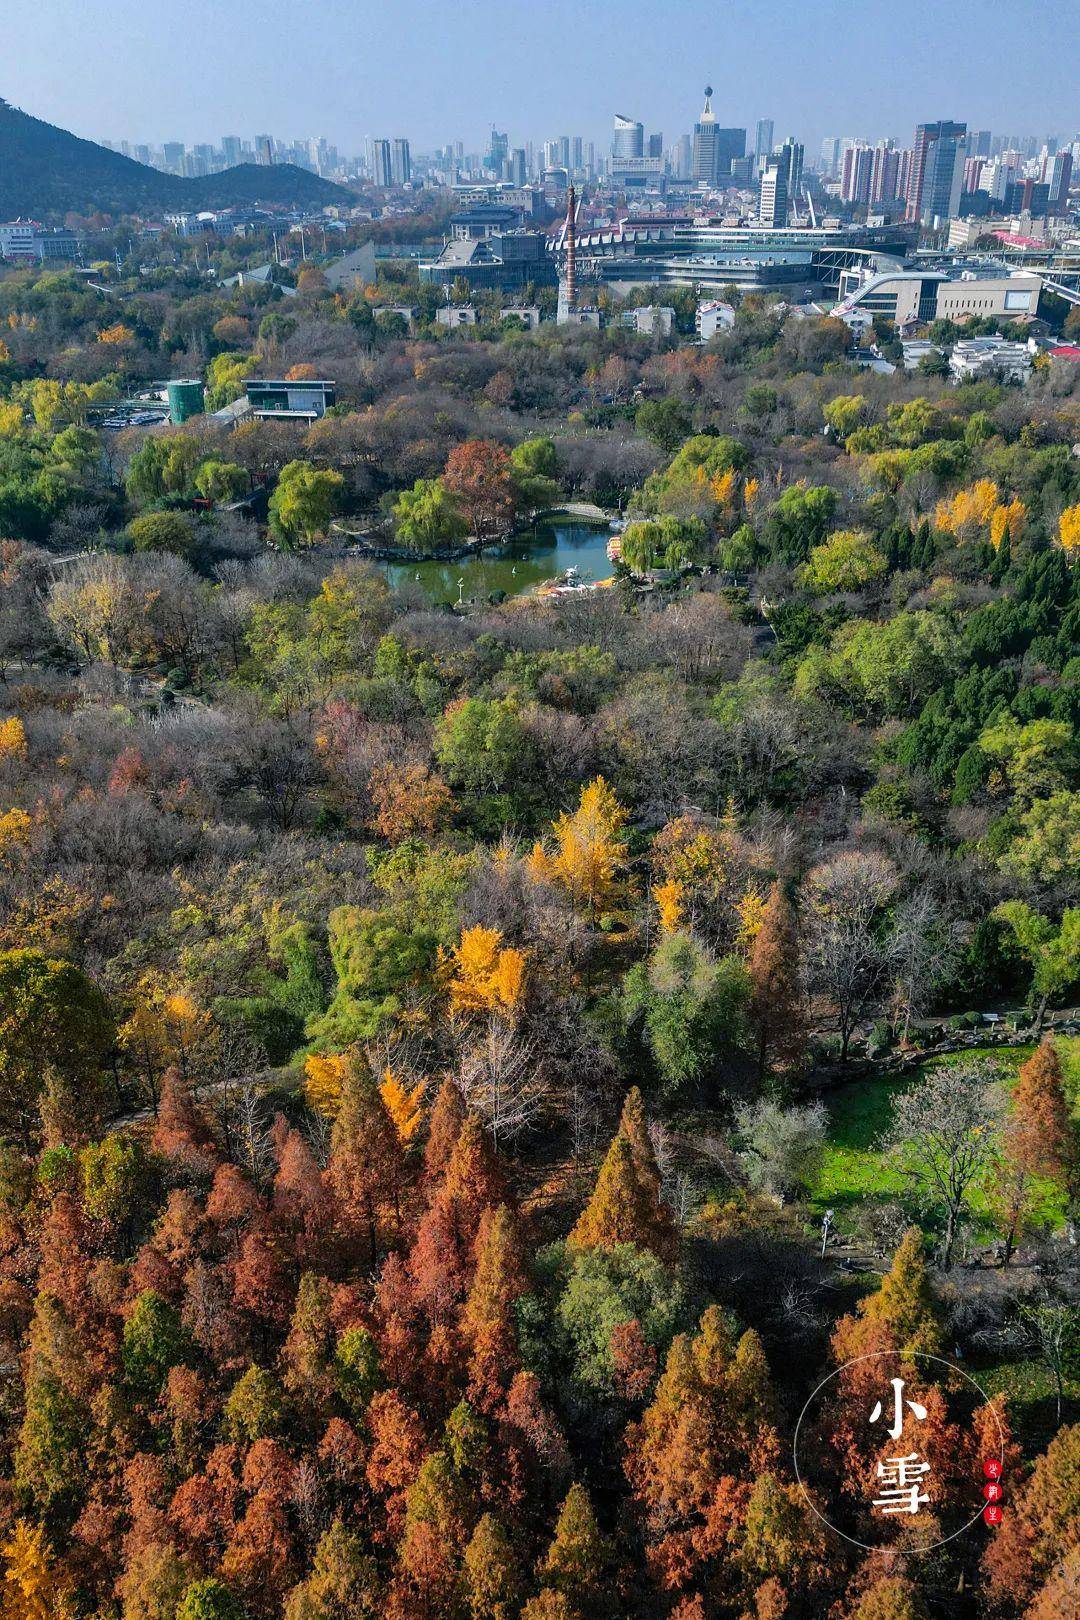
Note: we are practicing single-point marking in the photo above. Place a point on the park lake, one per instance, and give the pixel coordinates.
(528, 558)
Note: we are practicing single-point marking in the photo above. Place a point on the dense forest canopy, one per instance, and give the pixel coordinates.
(432, 1036)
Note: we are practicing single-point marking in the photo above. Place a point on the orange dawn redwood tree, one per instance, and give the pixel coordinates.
(776, 998)
(625, 1206)
(478, 473)
(1041, 1137)
(707, 1433)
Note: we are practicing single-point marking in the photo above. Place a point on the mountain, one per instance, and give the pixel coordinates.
(48, 171)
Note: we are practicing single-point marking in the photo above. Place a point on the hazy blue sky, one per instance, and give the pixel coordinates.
(196, 69)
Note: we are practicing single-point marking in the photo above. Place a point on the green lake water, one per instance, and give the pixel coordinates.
(525, 560)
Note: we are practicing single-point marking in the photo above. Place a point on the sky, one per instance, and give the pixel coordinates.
(194, 70)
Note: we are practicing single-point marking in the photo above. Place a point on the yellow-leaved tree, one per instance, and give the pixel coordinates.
(670, 898)
(969, 509)
(483, 974)
(12, 738)
(12, 420)
(1069, 532)
(15, 829)
(324, 1077)
(31, 1589)
(1007, 519)
(750, 910)
(589, 857)
(167, 1029)
(705, 860)
(402, 1103)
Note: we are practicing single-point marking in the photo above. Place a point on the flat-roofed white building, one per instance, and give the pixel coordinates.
(973, 358)
(454, 316)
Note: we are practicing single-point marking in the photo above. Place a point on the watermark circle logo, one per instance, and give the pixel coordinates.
(887, 1453)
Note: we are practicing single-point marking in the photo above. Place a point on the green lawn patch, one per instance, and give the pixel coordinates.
(853, 1169)
(1030, 1391)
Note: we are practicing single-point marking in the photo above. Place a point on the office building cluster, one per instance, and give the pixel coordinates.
(951, 172)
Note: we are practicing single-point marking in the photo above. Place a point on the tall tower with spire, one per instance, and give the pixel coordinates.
(706, 144)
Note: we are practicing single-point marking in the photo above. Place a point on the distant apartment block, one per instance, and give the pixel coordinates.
(400, 162)
(773, 196)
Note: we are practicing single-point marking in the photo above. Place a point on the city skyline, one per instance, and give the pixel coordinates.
(432, 85)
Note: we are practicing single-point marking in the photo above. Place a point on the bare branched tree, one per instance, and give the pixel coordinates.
(499, 1077)
(942, 1137)
(1051, 1327)
(251, 1133)
(848, 954)
(924, 948)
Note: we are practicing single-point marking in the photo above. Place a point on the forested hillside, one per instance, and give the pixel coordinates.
(433, 1032)
(47, 172)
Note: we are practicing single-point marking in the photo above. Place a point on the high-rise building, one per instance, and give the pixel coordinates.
(973, 168)
(400, 161)
(730, 147)
(379, 166)
(903, 175)
(498, 148)
(704, 160)
(174, 156)
(856, 174)
(627, 137)
(576, 153)
(656, 146)
(516, 168)
(790, 158)
(264, 150)
(715, 149)
(937, 170)
(885, 177)
(773, 195)
(764, 138)
(831, 148)
(1059, 178)
(230, 150)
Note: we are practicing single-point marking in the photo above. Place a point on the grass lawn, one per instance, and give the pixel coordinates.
(853, 1169)
(1032, 1404)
